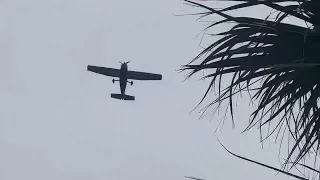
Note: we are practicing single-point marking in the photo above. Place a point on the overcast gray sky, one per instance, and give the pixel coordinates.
(57, 121)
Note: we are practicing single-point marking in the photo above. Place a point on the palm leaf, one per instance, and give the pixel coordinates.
(284, 56)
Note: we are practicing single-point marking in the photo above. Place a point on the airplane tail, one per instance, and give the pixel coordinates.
(122, 97)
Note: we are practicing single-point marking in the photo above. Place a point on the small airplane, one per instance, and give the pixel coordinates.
(123, 74)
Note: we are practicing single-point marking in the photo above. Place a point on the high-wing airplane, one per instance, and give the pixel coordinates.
(123, 74)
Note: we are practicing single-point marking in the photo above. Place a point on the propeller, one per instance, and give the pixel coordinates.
(122, 62)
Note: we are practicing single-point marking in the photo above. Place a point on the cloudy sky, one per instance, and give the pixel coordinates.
(57, 120)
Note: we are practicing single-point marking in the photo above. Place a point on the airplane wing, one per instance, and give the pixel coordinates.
(104, 71)
(143, 76)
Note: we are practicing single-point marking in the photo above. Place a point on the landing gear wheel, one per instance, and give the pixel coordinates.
(112, 80)
(131, 83)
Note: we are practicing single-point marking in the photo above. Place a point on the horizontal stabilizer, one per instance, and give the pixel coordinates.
(122, 97)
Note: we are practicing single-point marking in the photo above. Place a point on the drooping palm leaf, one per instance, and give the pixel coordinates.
(285, 56)
(264, 165)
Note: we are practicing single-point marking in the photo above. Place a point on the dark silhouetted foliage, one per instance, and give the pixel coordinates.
(283, 57)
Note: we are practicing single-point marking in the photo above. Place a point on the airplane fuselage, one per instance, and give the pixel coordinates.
(123, 78)
(123, 74)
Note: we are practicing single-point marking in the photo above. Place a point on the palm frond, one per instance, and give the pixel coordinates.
(264, 165)
(284, 56)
